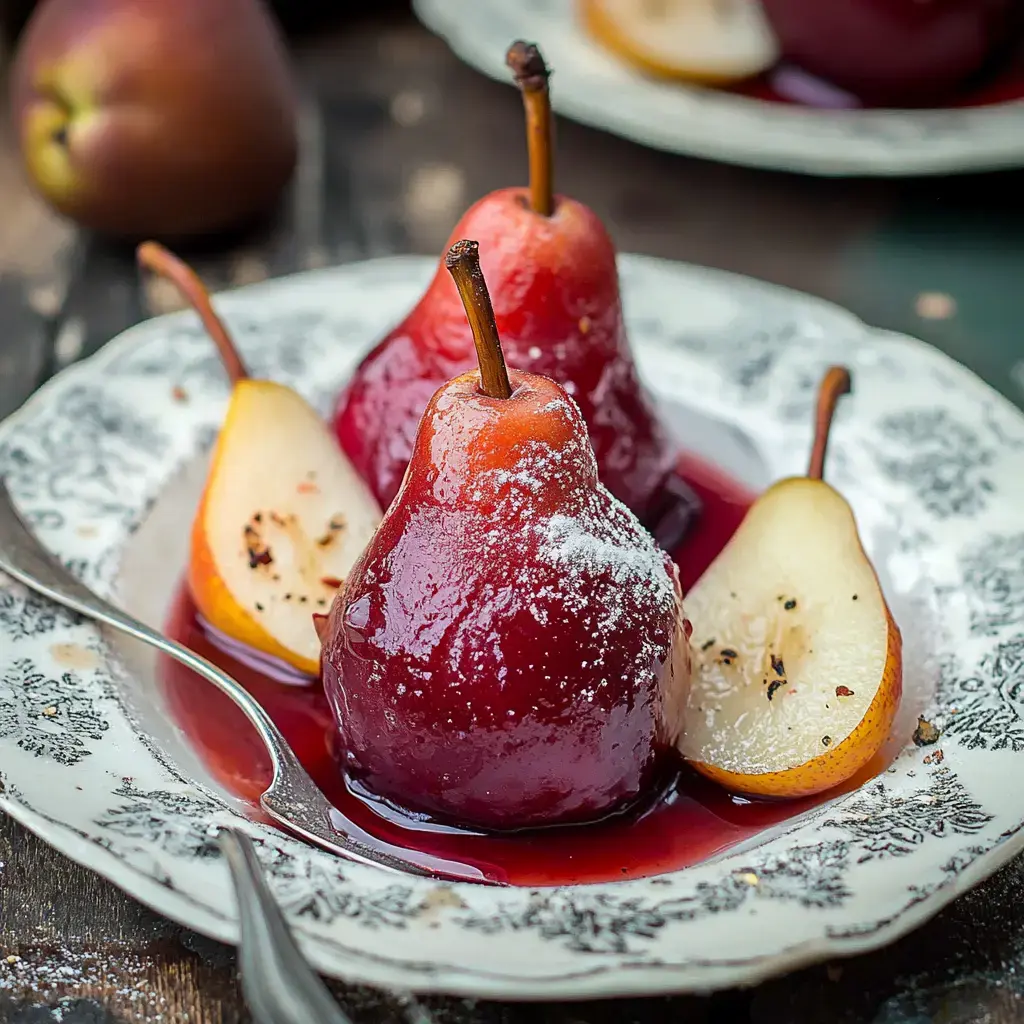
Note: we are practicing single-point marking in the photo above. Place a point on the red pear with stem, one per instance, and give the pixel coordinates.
(551, 270)
(509, 651)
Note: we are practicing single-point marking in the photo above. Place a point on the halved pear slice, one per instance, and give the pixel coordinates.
(283, 516)
(710, 41)
(797, 660)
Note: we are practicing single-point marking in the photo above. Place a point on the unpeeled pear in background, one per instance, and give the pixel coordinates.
(283, 514)
(798, 668)
(155, 118)
(891, 52)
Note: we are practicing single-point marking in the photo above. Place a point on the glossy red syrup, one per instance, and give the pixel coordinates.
(687, 821)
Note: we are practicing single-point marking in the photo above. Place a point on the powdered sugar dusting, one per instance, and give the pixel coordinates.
(627, 554)
(603, 543)
(64, 976)
(577, 551)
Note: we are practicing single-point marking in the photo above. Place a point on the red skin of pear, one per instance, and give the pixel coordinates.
(555, 291)
(508, 650)
(892, 52)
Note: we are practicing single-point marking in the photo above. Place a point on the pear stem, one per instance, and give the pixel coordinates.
(154, 257)
(463, 263)
(531, 74)
(834, 385)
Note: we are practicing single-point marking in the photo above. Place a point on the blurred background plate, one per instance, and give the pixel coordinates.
(594, 88)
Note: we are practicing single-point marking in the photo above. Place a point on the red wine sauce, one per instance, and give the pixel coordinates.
(690, 820)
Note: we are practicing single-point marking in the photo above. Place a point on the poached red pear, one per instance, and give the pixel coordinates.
(509, 651)
(550, 268)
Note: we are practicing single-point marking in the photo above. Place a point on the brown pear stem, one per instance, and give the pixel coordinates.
(531, 74)
(463, 263)
(834, 385)
(154, 257)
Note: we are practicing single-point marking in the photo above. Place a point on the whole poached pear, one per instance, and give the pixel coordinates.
(509, 651)
(155, 119)
(551, 271)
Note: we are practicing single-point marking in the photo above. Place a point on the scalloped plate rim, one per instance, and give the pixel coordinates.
(601, 980)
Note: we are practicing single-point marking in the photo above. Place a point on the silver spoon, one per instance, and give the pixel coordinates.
(278, 985)
(292, 799)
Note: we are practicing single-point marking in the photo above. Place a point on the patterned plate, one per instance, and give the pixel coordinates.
(595, 88)
(107, 461)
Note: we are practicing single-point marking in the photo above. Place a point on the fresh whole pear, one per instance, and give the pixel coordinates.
(144, 119)
(509, 650)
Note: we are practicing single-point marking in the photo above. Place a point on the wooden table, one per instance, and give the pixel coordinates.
(393, 150)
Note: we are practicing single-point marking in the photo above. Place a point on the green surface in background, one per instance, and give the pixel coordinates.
(976, 256)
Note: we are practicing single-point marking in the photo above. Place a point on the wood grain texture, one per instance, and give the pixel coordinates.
(392, 151)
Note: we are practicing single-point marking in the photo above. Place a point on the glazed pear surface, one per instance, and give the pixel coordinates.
(550, 268)
(509, 651)
(555, 290)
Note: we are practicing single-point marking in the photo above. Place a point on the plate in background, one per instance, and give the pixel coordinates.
(595, 88)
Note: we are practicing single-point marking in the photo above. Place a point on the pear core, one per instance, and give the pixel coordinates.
(795, 651)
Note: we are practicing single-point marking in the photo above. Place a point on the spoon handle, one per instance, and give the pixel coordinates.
(293, 799)
(278, 984)
(23, 558)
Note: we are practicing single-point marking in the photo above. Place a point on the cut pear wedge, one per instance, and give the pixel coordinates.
(283, 518)
(709, 41)
(284, 514)
(797, 660)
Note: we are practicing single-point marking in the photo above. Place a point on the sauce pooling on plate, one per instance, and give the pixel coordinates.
(686, 819)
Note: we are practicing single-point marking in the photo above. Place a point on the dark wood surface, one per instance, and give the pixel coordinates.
(393, 150)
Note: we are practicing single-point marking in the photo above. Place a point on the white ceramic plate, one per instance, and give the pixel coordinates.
(107, 461)
(595, 88)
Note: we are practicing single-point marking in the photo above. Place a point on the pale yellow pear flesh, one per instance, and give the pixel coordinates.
(797, 660)
(283, 518)
(710, 41)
